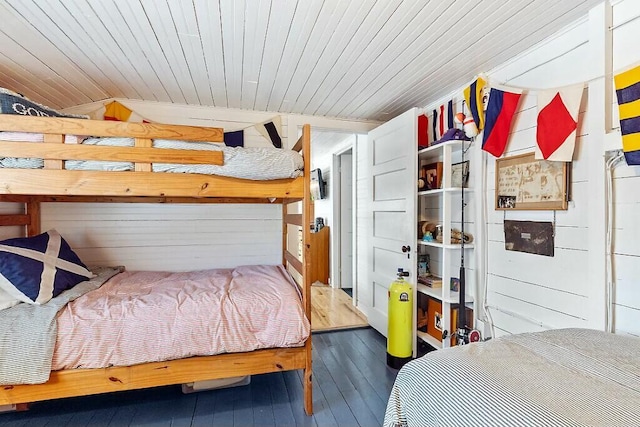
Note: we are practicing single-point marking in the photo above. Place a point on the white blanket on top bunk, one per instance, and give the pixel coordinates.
(255, 163)
(28, 333)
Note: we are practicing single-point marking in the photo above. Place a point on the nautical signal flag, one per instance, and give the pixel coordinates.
(445, 118)
(271, 131)
(628, 93)
(423, 131)
(558, 122)
(115, 111)
(234, 138)
(498, 117)
(473, 96)
(434, 126)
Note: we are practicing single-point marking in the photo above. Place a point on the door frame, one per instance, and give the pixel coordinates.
(336, 236)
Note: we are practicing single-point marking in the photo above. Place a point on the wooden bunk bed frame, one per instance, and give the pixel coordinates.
(55, 184)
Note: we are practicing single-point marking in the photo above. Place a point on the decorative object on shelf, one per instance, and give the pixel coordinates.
(454, 284)
(524, 183)
(423, 264)
(433, 175)
(456, 237)
(534, 237)
(430, 281)
(460, 174)
(425, 227)
(437, 321)
(422, 184)
(452, 134)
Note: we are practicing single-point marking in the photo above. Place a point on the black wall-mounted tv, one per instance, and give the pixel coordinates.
(318, 185)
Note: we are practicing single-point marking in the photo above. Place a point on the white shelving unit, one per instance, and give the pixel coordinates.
(443, 206)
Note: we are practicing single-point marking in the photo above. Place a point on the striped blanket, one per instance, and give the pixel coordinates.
(28, 333)
(564, 377)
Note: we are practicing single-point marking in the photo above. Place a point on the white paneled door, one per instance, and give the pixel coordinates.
(393, 174)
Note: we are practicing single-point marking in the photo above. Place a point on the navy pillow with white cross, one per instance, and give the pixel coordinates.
(36, 269)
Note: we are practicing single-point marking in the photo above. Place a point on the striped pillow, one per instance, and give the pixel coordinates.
(36, 269)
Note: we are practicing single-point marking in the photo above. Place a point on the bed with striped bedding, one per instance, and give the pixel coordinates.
(124, 318)
(150, 316)
(563, 377)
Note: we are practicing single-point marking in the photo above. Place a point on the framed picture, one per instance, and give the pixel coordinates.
(460, 174)
(524, 183)
(432, 174)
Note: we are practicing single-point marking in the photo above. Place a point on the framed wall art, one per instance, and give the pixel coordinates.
(524, 183)
(433, 175)
(460, 174)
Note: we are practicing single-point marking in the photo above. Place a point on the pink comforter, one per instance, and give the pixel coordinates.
(139, 317)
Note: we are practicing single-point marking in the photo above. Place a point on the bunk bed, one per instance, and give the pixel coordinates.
(53, 182)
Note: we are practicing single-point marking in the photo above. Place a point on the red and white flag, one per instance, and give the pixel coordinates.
(558, 111)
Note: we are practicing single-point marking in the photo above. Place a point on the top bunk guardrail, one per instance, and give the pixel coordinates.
(54, 179)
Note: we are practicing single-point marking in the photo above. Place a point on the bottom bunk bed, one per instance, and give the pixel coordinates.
(130, 329)
(562, 377)
(218, 356)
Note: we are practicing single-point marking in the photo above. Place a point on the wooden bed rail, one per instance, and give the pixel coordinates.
(64, 126)
(56, 151)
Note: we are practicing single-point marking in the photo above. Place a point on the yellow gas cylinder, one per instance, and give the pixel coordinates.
(399, 331)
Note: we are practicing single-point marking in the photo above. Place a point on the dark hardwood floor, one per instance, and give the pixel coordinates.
(351, 386)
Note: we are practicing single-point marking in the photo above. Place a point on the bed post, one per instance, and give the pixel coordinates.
(306, 241)
(32, 209)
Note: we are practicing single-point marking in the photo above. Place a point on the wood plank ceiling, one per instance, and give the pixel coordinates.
(359, 59)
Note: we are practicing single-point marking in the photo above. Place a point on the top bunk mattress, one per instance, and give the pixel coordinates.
(254, 163)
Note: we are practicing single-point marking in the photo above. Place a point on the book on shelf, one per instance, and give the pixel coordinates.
(430, 281)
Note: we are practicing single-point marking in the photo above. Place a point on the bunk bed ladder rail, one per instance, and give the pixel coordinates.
(303, 267)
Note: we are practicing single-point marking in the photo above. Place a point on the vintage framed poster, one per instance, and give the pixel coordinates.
(460, 174)
(524, 183)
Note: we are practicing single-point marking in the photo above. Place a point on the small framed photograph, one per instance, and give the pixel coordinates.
(455, 284)
(432, 174)
(460, 174)
(437, 321)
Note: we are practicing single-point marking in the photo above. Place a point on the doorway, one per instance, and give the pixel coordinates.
(332, 306)
(343, 267)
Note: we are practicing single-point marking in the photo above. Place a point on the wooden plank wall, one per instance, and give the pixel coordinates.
(531, 292)
(172, 237)
(541, 291)
(626, 22)
(169, 236)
